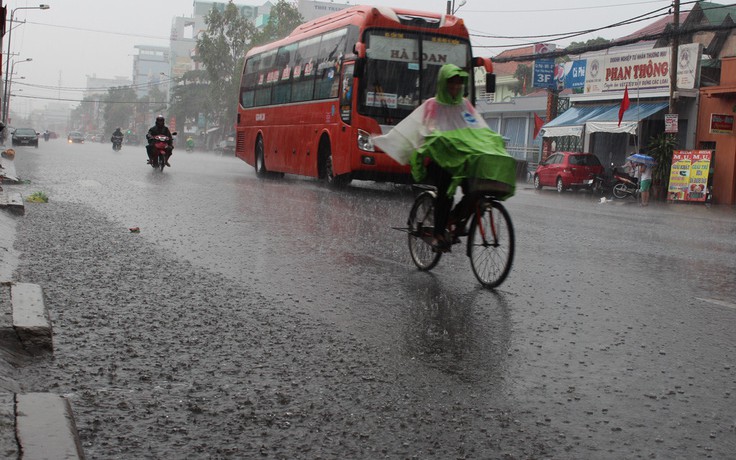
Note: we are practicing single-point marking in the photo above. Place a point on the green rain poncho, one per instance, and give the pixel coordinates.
(451, 133)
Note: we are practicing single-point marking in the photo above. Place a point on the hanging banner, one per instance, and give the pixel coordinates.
(689, 175)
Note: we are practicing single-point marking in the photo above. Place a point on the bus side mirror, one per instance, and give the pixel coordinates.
(490, 83)
(359, 68)
(359, 49)
(483, 62)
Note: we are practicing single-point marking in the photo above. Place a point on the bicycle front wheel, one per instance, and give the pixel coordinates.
(421, 230)
(491, 244)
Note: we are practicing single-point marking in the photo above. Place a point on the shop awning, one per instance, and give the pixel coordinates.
(608, 121)
(571, 122)
(601, 118)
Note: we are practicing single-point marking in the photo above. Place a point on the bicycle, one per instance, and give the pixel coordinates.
(486, 223)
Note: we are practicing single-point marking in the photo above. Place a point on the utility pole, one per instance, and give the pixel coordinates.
(675, 57)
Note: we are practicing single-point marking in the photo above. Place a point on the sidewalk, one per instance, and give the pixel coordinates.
(32, 425)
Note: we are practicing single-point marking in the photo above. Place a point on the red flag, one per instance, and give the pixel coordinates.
(624, 105)
(538, 123)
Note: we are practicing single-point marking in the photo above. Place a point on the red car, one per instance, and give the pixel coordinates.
(565, 170)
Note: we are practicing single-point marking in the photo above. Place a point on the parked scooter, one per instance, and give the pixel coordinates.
(625, 185)
(601, 184)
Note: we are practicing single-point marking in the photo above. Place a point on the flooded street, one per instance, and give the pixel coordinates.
(281, 319)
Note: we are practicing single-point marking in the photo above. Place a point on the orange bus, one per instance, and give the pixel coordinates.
(309, 103)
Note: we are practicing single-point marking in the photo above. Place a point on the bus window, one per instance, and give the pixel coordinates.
(249, 81)
(438, 51)
(331, 52)
(390, 87)
(284, 63)
(267, 75)
(346, 93)
(305, 69)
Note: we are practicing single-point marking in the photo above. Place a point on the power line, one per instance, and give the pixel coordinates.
(109, 32)
(642, 17)
(537, 10)
(85, 101)
(101, 88)
(602, 46)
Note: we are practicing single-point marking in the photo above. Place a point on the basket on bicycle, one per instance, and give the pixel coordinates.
(493, 187)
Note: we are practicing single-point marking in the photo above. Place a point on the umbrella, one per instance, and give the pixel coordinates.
(641, 158)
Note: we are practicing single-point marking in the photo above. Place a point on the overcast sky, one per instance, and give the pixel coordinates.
(76, 38)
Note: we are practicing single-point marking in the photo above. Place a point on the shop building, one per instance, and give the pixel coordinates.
(716, 132)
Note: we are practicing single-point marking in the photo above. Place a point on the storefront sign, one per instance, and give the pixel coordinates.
(544, 74)
(689, 175)
(642, 70)
(670, 123)
(570, 74)
(721, 123)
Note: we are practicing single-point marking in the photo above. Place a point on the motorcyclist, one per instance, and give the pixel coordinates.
(117, 136)
(190, 144)
(158, 129)
(46, 135)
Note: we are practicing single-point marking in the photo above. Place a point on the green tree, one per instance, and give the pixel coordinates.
(523, 76)
(221, 48)
(83, 114)
(592, 41)
(661, 148)
(119, 107)
(282, 20)
(190, 97)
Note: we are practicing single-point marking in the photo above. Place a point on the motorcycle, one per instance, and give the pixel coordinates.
(161, 148)
(117, 143)
(601, 184)
(624, 185)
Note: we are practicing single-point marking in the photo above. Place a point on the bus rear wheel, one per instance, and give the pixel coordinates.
(326, 167)
(260, 164)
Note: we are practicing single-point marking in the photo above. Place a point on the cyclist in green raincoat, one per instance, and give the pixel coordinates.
(446, 141)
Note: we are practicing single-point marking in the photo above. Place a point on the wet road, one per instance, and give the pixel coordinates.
(611, 338)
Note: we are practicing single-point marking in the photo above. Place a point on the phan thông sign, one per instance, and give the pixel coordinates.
(689, 175)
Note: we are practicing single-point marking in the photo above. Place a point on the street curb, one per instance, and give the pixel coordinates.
(45, 427)
(30, 317)
(13, 202)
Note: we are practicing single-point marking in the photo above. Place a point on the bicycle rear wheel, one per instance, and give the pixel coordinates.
(421, 230)
(491, 243)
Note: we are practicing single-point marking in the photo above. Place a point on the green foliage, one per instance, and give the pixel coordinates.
(84, 112)
(282, 20)
(37, 197)
(221, 48)
(661, 148)
(119, 108)
(523, 76)
(592, 41)
(191, 96)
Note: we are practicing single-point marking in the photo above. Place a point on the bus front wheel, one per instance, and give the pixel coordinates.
(326, 170)
(260, 165)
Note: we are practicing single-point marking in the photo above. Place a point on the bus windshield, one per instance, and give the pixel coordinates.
(392, 84)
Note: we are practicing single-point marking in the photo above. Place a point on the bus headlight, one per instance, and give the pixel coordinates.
(365, 141)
